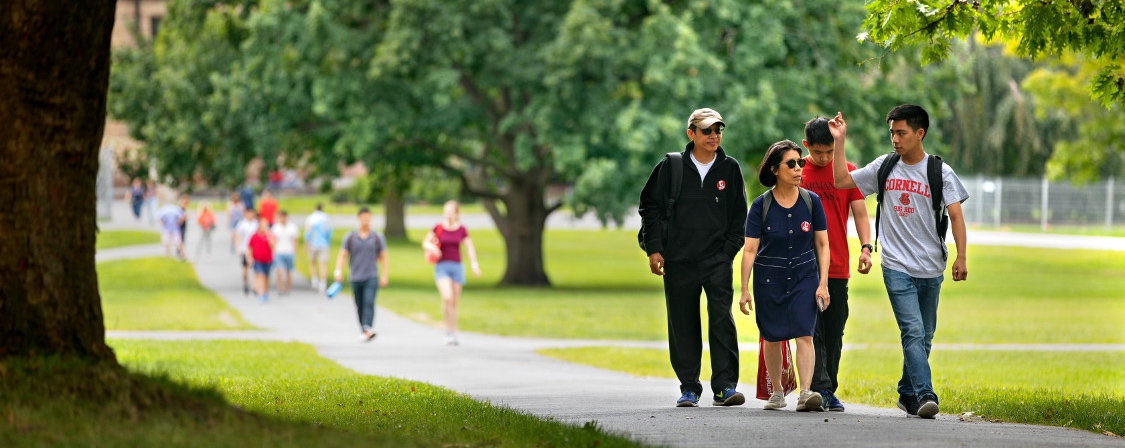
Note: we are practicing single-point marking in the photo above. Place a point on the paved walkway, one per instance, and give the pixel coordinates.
(506, 371)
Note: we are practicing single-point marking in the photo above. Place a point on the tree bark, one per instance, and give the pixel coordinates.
(524, 221)
(395, 204)
(54, 75)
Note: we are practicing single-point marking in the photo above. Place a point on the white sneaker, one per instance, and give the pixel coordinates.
(451, 339)
(809, 401)
(315, 283)
(777, 401)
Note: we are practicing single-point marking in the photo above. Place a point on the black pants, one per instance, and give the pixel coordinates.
(828, 340)
(683, 282)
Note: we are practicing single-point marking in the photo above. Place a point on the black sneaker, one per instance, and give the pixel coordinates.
(928, 407)
(908, 403)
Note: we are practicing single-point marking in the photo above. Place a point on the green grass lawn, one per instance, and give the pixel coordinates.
(108, 239)
(302, 205)
(243, 393)
(161, 294)
(1075, 389)
(603, 290)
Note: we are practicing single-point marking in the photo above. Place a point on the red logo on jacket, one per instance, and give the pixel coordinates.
(722, 185)
(806, 226)
(904, 199)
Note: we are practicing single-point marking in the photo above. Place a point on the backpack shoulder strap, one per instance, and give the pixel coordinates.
(805, 196)
(881, 181)
(933, 172)
(676, 161)
(767, 201)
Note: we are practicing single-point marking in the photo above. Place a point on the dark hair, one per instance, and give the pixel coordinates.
(250, 210)
(283, 213)
(773, 157)
(363, 210)
(319, 206)
(817, 133)
(915, 116)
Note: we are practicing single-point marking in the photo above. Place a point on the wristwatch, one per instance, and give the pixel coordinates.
(869, 248)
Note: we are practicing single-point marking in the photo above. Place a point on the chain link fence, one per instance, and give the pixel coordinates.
(1028, 203)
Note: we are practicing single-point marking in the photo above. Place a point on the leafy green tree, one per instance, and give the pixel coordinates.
(1092, 28)
(1091, 146)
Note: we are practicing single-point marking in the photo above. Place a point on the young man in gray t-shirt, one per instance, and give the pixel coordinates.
(914, 256)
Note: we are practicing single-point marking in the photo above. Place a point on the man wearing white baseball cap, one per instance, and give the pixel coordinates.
(692, 224)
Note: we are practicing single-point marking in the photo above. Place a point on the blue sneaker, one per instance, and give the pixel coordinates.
(688, 400)
(729, 397)
(831, 403)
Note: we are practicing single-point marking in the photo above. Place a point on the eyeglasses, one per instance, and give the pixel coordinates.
(708, 131)
(793, 163)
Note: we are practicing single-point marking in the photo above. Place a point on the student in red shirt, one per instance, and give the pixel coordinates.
(260, 252)
(267, 207)
(817, 178)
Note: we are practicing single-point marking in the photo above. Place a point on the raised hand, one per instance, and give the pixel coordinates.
(837, 126)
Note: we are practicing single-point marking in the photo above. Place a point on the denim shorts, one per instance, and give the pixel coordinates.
(262, 268)
(450, 269)
(285, 261)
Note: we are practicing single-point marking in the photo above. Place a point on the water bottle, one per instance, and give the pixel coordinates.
(334, 288)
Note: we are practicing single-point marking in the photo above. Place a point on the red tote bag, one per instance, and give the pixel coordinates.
(789, 373)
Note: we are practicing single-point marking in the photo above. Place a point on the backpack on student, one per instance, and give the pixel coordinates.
(933, 174)
(674, 181)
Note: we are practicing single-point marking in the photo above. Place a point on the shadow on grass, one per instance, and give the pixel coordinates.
(54, 402)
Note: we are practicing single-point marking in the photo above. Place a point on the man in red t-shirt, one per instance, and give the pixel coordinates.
(267, 207)
(817, 177)
(260, 251)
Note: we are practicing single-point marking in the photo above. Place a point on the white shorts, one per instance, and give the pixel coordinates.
(172, 237)
(318, 255)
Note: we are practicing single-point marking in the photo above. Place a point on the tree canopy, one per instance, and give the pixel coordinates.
(1092, 28)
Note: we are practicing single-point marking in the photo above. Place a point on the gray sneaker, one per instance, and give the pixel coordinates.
(777, 401)
(809, 401)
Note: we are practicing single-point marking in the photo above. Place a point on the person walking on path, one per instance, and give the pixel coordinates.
(171, 216)
(235, 210)
(246, 229)
(692, 244)
(206, 223)
(318, 240)
(366, 253)
(787, 252)
(828, 339)
(259, 251)
(285, 251)
(183, 204)
(135, 196)
(267, 207)
(914, 252)
(246, 193)
(151, 201)
(444, 241)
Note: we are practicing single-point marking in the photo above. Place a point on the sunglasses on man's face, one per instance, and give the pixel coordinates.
(708, 131)
(793, 163)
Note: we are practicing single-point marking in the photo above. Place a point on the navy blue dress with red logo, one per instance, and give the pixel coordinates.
(785, 271)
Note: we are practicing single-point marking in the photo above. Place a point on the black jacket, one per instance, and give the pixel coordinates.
(707, 220)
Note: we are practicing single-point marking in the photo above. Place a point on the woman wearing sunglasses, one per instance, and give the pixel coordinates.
(787, 251)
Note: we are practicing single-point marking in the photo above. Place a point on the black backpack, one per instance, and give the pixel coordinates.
(933, 174)
(674, 180)
(767, 200)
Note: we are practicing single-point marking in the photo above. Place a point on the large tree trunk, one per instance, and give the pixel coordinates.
(54, 74)
(395, 204)
(522, 229)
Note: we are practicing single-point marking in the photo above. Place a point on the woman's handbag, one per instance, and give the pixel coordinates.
(433, 258)
(788, 372)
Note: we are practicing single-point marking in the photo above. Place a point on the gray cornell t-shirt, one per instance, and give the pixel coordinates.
(362, 255)
(907, 234)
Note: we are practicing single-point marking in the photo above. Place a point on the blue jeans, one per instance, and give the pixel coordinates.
(364, 292)
(914, 301)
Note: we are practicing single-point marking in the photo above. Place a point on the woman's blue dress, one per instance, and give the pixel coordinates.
(785, 271)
